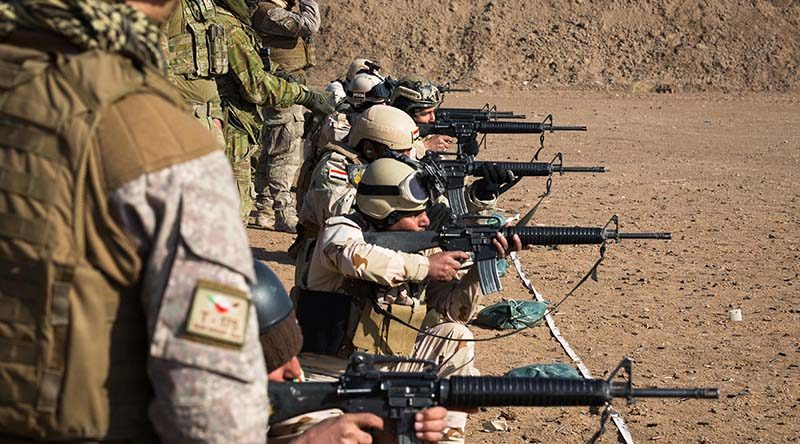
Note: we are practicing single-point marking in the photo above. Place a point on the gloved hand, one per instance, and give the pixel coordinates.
(289, 77)
(492, 178)
(317, 101)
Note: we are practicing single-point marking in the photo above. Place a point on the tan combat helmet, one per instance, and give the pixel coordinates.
(358, 66)
(385, 125)
(413, 94)
(366, 89)
(389, 190)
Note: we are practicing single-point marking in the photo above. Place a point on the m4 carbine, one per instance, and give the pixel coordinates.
(446, 176)
(467, 131)
(477, 238)
(400, 395)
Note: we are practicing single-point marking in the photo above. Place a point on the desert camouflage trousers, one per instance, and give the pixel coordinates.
(239, 150)
(279, 159)
(453, 358)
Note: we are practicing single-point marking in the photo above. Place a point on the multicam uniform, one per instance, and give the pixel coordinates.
(288, 35)
(117, 225)
(345, 273)
(196, 53)
(244, 89)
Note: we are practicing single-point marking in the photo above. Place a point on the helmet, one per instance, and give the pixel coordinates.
(390, 187)
(367, 87)
(412, 94)
(358, 66)
(386, 125)
(269, 297)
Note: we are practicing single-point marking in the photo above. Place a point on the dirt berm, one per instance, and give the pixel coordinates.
(668, 45)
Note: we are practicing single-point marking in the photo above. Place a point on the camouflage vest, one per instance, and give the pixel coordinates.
(73, 339)
(292, 54)
(197, 44)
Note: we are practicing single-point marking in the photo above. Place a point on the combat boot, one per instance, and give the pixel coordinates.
(265, 218)
(286, 220)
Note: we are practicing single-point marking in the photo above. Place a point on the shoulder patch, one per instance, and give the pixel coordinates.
(218, 313)
(337, 174)
(354, 173)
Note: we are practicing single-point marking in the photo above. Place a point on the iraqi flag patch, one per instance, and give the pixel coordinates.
(337, 174)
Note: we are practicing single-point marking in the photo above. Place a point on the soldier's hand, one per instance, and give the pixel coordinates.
(438, 143)
(318, 102)
(429, 424)
(445, 265)
(501, 244)
(346, 429)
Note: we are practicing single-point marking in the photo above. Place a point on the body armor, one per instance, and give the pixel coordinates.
(292, 54)
(197, 44)
(73, 339)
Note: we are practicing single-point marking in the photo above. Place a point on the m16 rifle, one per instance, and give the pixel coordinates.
(484, 114)
(474, 237)
(446, 175)
(467, 131)
(400, 395)
(446, 88)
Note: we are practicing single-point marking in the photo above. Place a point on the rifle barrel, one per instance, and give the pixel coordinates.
(696, 393)
(574, 169)
(656, 235)
(531, 169)
(566, 128)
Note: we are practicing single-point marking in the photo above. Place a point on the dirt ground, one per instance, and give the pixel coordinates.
(718, 171)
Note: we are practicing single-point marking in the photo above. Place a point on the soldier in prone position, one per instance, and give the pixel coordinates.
(123, 265)
(347, 279)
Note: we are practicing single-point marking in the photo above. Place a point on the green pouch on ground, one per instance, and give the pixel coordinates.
(512, 315)
(557, 370)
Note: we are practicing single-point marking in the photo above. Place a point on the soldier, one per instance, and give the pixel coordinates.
(331, 191)
(282, 339)
(339, 87)
(126, 314)
(347, 277)
(419, 98)
(288, 35)
(196, 54)
(245, 88)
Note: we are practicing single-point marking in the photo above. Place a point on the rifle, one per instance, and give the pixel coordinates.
(484, 114)
(400, 395)
(467, 131)
(447, 175)
(477, 238)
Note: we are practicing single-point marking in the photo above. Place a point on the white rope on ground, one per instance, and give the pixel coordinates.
(624, 435)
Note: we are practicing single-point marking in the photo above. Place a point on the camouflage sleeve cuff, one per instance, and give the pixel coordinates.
(416, 267)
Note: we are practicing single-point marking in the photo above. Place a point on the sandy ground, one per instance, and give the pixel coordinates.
(718, 171)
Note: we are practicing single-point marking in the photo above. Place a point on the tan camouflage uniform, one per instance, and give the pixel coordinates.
(287, 33)
(341, 254)
(244, 89)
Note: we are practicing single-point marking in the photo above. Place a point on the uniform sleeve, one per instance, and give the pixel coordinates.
(345, 251)
(185, 221)
(258, 86)
(476, 205)
(282, 22)
(330, 193)
(455, 301)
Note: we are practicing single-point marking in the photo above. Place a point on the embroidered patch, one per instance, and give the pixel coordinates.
(335, 173)
(218, 313)
(354, 173)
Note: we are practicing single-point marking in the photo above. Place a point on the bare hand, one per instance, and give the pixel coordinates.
(445, 265)
(345, 429)
(429, 424)
(438, 142)
(501, 244)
